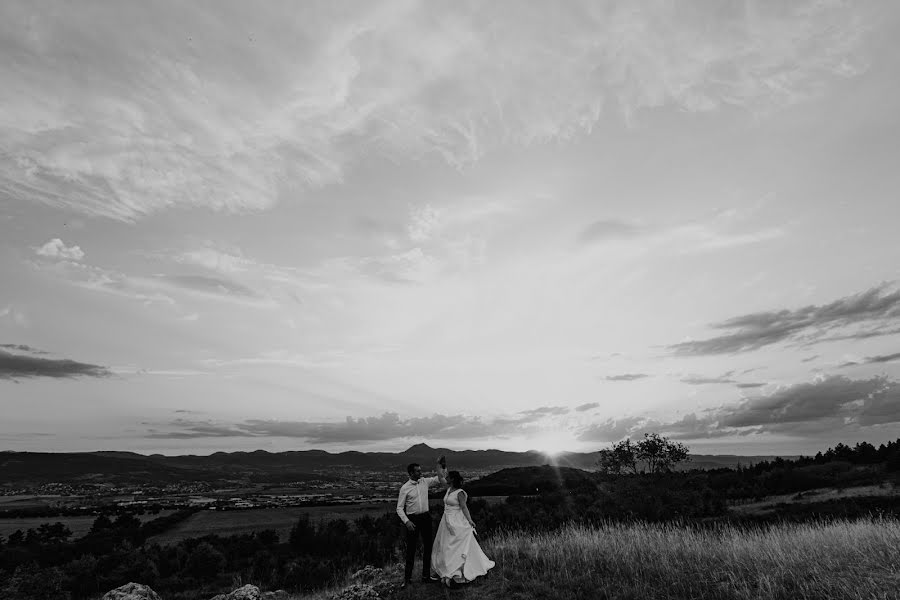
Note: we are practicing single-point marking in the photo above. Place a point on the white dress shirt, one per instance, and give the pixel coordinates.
(413, 499)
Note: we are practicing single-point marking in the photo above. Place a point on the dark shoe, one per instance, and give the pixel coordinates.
(405, 583)
(430, 579)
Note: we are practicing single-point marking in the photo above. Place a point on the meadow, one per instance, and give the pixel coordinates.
(236, 522)
(857, 559)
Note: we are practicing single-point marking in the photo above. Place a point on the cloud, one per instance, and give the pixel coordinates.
(388, 426)
(213, 259)
(22, 348)
(612, 430)
(626, 377)
(217, 286)
(873, 360)
(877, 307)
(199, 109)
(16, 316)
(546, 410)
(14, 366)
(608, 229)
(826, 407)
(698, 380)
(55, 248)
(751, 385)
(587, 406)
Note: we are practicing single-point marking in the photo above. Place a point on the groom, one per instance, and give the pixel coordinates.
(412, 507)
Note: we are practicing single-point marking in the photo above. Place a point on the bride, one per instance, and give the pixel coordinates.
(456, 556)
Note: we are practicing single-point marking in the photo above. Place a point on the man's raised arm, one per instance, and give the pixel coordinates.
(442, 470)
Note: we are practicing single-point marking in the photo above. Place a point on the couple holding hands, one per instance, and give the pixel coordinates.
(453, 554)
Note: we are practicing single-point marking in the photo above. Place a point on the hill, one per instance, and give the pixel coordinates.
(266, 467)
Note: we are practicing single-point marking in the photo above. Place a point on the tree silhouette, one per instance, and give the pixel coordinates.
(658, 453)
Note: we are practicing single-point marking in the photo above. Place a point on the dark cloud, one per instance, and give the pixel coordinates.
(14, 366)
(608, 229)
(699, 380)
(626, 377)
(750, 385)
(884, 358)
(829, 407)
(366, 429)
(588, 406)
(810, 358)
(808, 325)
(873, 360)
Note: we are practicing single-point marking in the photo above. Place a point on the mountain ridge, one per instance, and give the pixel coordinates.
(290, 465)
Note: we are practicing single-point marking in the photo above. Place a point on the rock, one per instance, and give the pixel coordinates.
(131, 591)
(357, 591)
(247, 592)
(276, 595)
(368, 574)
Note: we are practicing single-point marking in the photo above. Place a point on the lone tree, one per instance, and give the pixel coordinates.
(658, 453)
(622, 457)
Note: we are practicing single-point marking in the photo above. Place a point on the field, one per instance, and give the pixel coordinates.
(77, 525)
(233, 522)
(818, 495)
(836, 560)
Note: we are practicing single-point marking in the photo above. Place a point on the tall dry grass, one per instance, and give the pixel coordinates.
(843, 559)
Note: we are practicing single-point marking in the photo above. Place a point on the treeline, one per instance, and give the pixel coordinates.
(45, 564)
(842, 466)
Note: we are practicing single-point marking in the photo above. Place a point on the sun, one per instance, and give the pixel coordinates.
(552, 443)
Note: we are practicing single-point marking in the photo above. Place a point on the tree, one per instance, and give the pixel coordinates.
(205, 562)
(622, 456)
(660, 453)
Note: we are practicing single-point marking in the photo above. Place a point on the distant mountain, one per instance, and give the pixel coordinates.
(280, 467)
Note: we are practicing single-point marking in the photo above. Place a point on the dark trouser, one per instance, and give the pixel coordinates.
(423, 530)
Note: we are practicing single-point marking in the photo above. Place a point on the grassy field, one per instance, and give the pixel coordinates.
(77, 525)
(233, 522)
(838, 560)
(817, 495)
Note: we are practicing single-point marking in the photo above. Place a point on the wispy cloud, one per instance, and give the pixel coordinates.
(875, 307)
(587, 406)
(626, 377)
(546, 410)
(868, 360)
(200, 109)
(15, 366)
(609, 229)
(699, 380)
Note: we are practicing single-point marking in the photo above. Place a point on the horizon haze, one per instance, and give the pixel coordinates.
(361, 226)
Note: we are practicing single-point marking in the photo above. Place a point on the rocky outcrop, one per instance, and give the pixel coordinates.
(251, 592)
(131, 591)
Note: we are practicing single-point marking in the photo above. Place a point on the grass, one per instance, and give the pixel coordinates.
(836, 560)
(235, 522)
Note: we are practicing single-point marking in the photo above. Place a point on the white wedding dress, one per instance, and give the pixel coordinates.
(456, 554)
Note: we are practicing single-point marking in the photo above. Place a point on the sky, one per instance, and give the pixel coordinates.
(514, 225)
